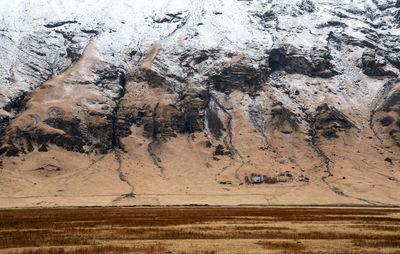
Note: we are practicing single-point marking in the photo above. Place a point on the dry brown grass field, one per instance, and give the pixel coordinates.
(202, 230)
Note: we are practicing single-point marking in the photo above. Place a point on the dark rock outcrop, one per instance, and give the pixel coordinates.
(391, 108)
(43, 148)
(170, 18)
(95, 130)
(215, 124)
(239, 77)
(397, 15)
(283, 119)
(18, 103)
(266, 16)
(371, 66)
(329, 121)
(164, 121)
(393, 103)
(220, 150)
(314, 64)
(25, 141)
(386, 121)
(59, 120)
(9, 151)
(307, 6)
(60, 23)
(70, 132)
(153, 78)
(395, 135)
(185, 117)
(4, 121)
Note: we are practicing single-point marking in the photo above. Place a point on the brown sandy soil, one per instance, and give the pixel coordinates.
(148, 61)
(191, 175)
(200, 230)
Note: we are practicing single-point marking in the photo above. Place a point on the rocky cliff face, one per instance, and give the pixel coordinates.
(217, 102)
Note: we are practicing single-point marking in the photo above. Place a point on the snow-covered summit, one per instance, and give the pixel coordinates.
(47, 34)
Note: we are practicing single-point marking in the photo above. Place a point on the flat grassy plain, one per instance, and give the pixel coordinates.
(202, 230)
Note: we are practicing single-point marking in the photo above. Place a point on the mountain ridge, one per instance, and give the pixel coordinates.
(174, 102)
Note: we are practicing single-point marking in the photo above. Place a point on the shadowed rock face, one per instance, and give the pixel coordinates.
(393, 103)
(239, 77)
(193, 105)
(314, 64)
(4, 121)
(329, 121)
(153, 78)
(386, 121)
(215, 124)
(59, 120)
(95, 131)
(391, 120)
(395, 135)
(72, 134)
(9, 151)
(307, 5)
(397, 13)
(164, 121)
(169, 121)
(15, 106)
(85, 125)
(371, 66)
(283, 119)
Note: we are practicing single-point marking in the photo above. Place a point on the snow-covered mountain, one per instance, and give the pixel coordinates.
(199, 101)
